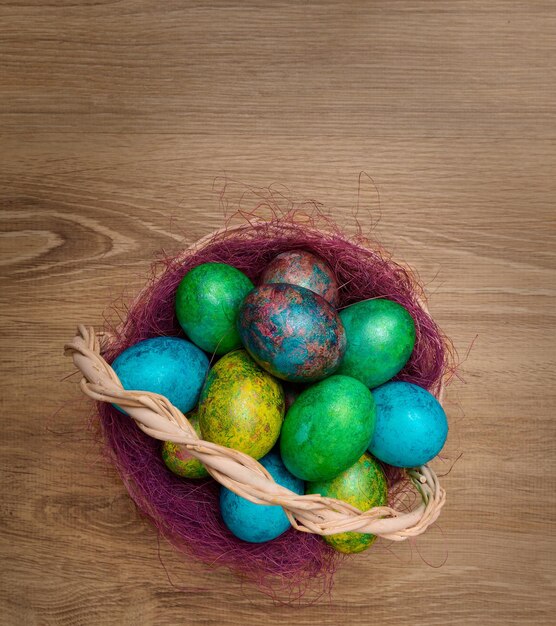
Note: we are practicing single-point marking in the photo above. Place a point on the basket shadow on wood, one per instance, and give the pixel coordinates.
(186, 512)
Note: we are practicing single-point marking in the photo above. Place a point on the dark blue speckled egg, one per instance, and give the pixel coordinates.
(292, 332)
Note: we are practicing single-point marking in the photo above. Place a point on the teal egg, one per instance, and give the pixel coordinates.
(328, 428)
(411, 425)
(258, 523)
(207, 304)
(380, 337)
(170, 366)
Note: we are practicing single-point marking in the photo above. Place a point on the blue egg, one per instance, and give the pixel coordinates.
(170, 366)
(257, 523)
(411, 426)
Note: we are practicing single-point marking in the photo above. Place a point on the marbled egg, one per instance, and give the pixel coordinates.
(292, 332)
(327, 428)
(362, 485)
(170, 366)
(179, 460)
(380, 338)
(207, 304)
(257, 523)
(411, 425)
(241, 405)
(299, 267)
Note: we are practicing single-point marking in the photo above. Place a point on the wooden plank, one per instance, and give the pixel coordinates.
(120, 124)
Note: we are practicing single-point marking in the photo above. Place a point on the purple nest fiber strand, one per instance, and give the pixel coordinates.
(186, 512)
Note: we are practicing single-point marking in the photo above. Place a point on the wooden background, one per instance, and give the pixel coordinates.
(120, 121)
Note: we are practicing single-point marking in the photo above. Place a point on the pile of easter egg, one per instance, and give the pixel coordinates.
(301, 386)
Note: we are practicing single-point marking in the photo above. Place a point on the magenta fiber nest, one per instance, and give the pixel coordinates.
(186, 512)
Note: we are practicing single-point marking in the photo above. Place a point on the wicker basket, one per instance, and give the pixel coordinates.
(240, 473)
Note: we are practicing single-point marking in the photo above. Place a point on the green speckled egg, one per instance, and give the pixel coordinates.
(327, 428)
(362, 485)
(380, 338)
(207, 305)
(241, 406)
(177, 458)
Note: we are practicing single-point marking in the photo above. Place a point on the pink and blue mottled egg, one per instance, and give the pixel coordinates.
(299, 267)
(292, 332)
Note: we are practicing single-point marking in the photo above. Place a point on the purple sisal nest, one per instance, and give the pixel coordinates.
(186, 512)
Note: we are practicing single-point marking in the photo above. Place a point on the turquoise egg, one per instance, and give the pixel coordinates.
(170, 366)
(258, 523)
(411, 425)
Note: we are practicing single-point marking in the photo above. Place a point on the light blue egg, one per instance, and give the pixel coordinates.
(170, 366)
(258, 523)
(411, 426)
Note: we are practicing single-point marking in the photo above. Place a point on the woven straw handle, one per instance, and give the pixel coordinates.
(239, 472)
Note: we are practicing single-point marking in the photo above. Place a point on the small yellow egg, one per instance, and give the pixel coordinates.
(362, 485)
(179, 460)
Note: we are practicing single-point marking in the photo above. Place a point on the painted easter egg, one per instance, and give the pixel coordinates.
(179, 460)
(207, 304)
(292, 332)
(362, 485)
(170, 366)
(299, 267)
(241, 405)
(411, 425)
(327, 428)
(257, 523)
(380, 338)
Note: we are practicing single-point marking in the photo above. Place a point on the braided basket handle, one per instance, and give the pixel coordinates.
(157, 417)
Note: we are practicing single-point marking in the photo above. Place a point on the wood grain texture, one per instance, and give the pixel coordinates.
(116, 121)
